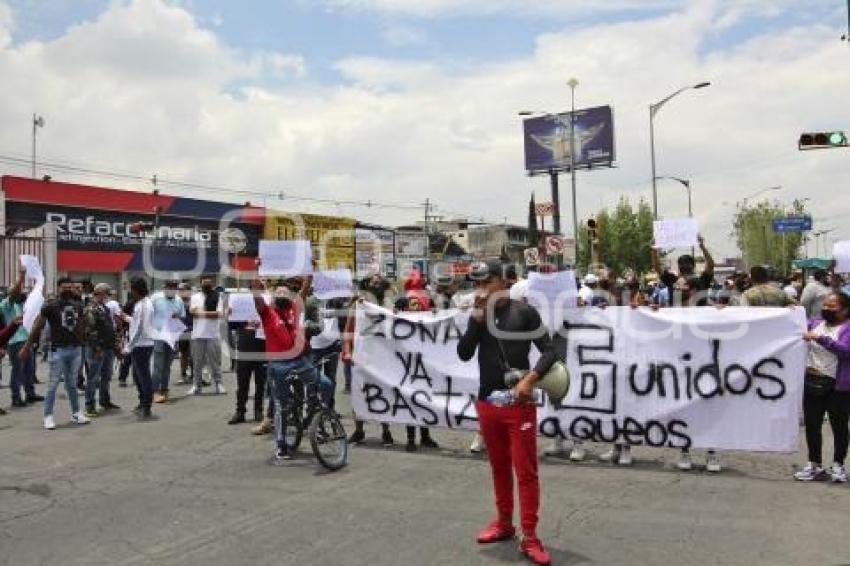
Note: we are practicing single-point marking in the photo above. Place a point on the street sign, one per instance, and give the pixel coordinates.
(544, 208)
(554, 245)
(532, 256)
(792, 224)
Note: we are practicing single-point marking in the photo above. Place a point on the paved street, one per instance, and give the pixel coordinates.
(188, 489)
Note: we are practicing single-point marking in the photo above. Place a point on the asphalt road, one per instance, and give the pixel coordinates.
(189, 489)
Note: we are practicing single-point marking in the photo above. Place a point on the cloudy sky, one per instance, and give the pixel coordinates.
(396, 101)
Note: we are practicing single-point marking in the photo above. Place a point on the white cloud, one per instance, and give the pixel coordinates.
(401, 36)
(145, 88)
(7, 24)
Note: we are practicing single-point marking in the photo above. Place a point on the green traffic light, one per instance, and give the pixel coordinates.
(838, 138)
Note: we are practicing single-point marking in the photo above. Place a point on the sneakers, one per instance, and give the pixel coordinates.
(839, 475)
(496, 532)
(533, 549)
(237, 418)
(578, 453)
(557, 447)
(685, 462)
(358, 437)
(91, 413)
(428, 442)
(110, 406)
(219, 389)
(625, 458)
(194, 390)
(712, 464)
(49, 422)
(811, 472)
(477, 445)
(282, 455)
(160, 397)
(80, 419)
(34, 398)
(264, 427)
(612, 455)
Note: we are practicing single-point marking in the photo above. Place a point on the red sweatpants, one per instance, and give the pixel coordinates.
(510, 434)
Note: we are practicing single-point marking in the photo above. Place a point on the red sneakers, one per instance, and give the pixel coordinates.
(496, 532)
(533, 549)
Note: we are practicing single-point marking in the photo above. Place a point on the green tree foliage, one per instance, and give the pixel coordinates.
(752, 229)
(624, 237)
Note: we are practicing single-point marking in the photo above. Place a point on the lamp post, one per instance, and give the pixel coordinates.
(37, 122)
(687, 184)
(653, 110)
(573, 83)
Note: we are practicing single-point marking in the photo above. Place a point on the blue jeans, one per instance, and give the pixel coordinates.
(100, 374)
(22, 372)
(277, 372)
(163, 355)
(141, 360)
(64, 365)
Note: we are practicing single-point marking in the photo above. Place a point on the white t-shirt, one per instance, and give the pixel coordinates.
(821, 359)
(205, 327)
(141, 324)
(791, 292)
(519, 290)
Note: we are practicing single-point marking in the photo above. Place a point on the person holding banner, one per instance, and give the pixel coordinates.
(827, 387)
(509, 431)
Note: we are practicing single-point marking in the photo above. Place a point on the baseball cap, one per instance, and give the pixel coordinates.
(102, 288)
(591, 279)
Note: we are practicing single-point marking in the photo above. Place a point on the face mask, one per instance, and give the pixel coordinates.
(206, 288)
(67, 295)
(829, 316)
(281, 302)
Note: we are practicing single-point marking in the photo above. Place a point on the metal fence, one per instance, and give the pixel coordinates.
(39, 242)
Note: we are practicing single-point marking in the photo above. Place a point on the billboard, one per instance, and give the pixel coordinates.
(549, 145)
(332, 237)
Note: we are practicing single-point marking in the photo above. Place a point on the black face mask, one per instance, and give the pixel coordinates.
(829, 316)
(67, 295)
(282, 302)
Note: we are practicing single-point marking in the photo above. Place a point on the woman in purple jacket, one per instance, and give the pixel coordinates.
(827, 387)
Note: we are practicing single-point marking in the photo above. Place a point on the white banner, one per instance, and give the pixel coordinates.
(678, 233)
(729, 379)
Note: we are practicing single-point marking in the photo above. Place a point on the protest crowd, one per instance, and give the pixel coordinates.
(283, 324)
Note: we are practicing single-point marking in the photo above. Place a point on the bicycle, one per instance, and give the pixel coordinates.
(306, 410)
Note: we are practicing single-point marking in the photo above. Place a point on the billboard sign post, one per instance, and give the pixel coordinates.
(549, 144)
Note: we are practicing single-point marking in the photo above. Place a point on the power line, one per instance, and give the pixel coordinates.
(159, 181)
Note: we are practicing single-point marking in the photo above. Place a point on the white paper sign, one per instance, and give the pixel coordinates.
(35, 298)
(552, 294)
(32, 266)
(242, 307)
(171, 332)
(841, 255)
(333, 284)
(285, 258)
(728, 379)
(679, 233)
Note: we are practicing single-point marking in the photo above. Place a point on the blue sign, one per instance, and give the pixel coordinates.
(549, 143)
(792, 224)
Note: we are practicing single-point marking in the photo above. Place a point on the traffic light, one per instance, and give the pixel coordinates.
(822, 140)
(591, 229)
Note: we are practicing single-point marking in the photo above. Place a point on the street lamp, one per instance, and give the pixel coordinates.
(37, 122)
(653, 110)
(687, 184)
(761, 192)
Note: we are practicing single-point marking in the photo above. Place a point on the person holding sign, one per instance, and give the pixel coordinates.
(11, 308)
(287, 350)
(509, 428)
(687, 270)
(827, 387)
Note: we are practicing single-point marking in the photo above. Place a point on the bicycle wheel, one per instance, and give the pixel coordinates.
(328, 439)
(295, 419)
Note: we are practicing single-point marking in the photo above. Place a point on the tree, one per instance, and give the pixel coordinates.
(624, 237)
(752, 228)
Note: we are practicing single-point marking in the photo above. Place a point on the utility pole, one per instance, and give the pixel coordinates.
(37, 122)
(427, 213)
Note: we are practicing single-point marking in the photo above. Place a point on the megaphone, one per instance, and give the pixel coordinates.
(556, 382)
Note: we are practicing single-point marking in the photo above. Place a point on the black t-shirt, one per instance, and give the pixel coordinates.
(702, 283)
(514, 317)
(66, 321)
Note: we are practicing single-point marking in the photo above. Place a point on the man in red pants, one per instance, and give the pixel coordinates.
(502, 330)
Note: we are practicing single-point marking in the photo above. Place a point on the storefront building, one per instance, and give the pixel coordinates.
(109, 235)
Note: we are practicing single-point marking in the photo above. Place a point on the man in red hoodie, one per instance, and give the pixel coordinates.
(287, 350)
